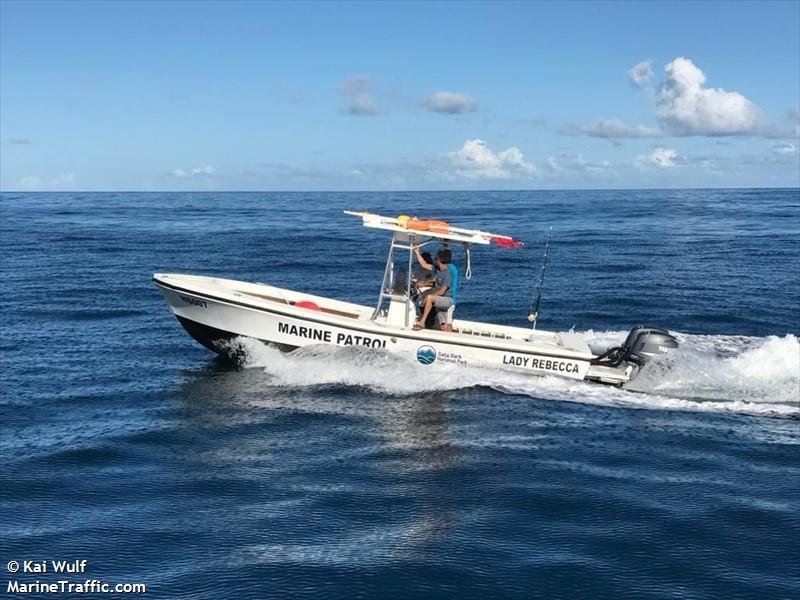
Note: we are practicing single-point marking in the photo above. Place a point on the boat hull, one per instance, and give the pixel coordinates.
(213, 320)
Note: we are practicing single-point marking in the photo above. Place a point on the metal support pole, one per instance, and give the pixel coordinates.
(386, 274)
(408, 278)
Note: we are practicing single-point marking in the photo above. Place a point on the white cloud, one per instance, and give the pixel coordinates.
(475, 160)
(641, 73)
(685, 107)
(577, 163)
(291, 171)
(612, 129)
(784, 148)
(361, 104)
(64, 179)
(206, 170)
(663, 158)
(688, 108)
(449, 102)
(356, 92)
(31, 183)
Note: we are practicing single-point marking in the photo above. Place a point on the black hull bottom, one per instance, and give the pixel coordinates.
(218, 340)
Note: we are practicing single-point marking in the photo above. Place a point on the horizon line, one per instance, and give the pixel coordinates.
(416, 191)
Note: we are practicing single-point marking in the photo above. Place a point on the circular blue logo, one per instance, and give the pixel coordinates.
(426, 354)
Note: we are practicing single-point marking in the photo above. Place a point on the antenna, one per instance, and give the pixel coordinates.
(533, 310)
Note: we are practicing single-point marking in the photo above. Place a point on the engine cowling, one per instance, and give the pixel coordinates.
(641, 344)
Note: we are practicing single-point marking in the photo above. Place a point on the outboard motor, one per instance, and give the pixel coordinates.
(642, 344)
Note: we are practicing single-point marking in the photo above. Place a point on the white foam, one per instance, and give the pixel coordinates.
(757, 376)
(736, 370)
(354, 366)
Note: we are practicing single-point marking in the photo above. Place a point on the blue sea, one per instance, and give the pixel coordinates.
(353, 474)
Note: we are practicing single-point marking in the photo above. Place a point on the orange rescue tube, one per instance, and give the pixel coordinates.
(429, 225)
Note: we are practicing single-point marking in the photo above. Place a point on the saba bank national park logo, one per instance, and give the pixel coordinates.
(426, 354)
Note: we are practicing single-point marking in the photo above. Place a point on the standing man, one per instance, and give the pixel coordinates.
(444, 293)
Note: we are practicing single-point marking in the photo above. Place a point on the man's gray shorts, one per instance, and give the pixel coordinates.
(444, 309)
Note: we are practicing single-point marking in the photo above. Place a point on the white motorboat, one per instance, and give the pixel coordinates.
(215, 311)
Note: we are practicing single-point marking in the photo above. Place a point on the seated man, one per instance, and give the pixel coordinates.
(443, 294)
(422, 273)
(421, 276)
(424, 279)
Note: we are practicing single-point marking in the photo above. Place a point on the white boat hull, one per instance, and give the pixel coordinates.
(214, 311)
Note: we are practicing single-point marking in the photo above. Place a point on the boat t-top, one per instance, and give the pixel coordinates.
(215, 311)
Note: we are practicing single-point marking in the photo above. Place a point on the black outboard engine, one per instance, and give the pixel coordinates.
(642, 344)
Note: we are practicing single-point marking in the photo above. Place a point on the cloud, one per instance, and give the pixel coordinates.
(285, 170)
(207, 170)
(784, 148)
(356, 92)
(662, 158)
(475, 160)
(577, 163)
(611, 129)
(19, 141)
(640, 74)
(33, 183)
(65, 179)
(787, 127)
(686, 107)
(449, 103)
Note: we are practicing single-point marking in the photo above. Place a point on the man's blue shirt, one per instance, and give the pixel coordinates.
(448, 277)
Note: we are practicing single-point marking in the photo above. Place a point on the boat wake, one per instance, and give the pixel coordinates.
(736, 374)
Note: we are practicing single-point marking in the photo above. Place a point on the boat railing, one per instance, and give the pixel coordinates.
(482, 333)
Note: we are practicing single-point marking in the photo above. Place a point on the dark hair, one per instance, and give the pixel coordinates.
(444, 255)
(426, 256)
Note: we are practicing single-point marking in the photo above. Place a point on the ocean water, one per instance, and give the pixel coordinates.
(345, 473)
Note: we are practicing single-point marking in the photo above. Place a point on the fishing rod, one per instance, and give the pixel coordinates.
(533, 309)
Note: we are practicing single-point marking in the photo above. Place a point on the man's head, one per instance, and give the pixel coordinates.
(443, 258)
(426, 256)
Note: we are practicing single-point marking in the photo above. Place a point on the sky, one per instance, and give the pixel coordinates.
(305, 96)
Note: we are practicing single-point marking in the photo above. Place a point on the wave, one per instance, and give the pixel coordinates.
(736, 374)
